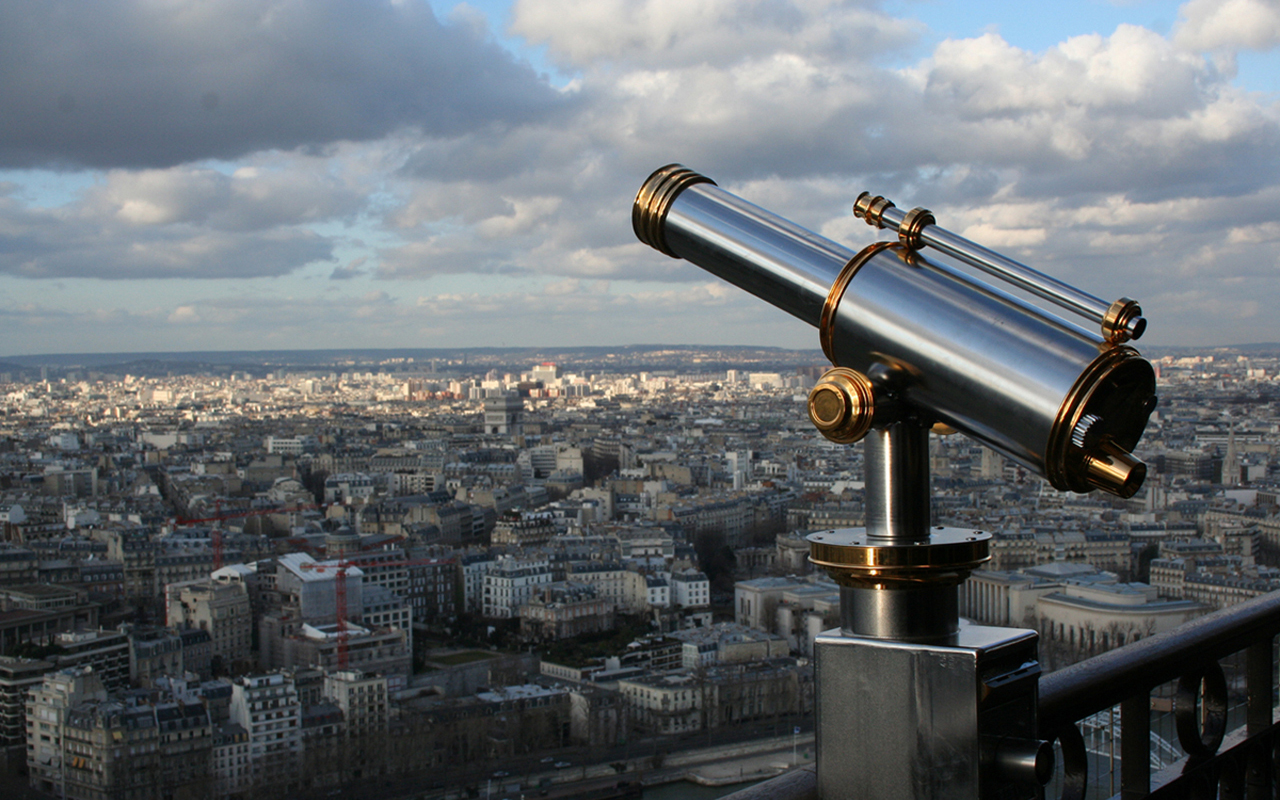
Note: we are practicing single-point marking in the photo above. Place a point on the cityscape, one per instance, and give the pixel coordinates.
(510, 572)
(372, 427)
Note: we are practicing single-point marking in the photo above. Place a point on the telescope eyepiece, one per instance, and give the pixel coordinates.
(1115, 471)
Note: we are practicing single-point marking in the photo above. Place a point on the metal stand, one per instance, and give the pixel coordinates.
(914, 705)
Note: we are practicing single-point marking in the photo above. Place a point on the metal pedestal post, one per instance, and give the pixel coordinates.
(909, 721)
(912, 705)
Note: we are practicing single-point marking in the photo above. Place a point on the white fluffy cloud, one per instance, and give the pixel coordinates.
(249, 198)
(138, 83)
(181, 222)
(1229, 25)
(681, 33)
(418, 160)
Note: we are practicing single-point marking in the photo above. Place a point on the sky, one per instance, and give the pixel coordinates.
(288, 174)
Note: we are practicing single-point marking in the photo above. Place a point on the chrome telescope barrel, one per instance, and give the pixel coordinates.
(774, 259)
(1061, 401)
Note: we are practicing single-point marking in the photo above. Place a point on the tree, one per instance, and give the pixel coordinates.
(716, 559)
(313, 481)
(30, 649)
(1142, 569)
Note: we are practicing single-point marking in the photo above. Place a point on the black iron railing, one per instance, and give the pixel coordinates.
(1192, 655)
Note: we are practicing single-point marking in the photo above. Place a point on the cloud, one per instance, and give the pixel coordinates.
(1228, 25)
(185, 314)
(1121, 163)
(183, 222)
(1129, 112)
(445, 255)
(351, 270)
(154, 83)
(43, 243)
(978, 120)
(680, 33)
(250, 198)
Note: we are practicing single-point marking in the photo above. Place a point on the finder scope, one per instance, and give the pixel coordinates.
(914, 338)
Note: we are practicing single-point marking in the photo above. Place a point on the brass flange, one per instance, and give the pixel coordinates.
(827, 321)
(913, 224)
(853, 558)
(1098, 425)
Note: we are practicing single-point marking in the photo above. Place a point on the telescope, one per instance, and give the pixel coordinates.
(918, 344)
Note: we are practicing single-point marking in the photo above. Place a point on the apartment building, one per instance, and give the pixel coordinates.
(219, 606)
(362, 696)
(510, 584)
(267, 708)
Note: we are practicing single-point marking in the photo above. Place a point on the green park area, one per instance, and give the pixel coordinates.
(587, 649)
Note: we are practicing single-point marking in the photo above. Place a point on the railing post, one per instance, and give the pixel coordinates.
(1124, 677)
(1135, 747)
(1260, 683)
(1258, 679)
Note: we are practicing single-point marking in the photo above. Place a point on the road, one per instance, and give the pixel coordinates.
(651, 761)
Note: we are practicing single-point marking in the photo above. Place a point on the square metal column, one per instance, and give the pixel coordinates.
(909, 721)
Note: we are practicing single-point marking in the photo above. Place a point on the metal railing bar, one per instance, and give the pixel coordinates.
(1180, 779)
(1126, 677)
(1260, 685)
(1135, 746)
(1107, 679)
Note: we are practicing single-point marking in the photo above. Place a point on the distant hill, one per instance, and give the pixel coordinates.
(632, 357)
(1256, 350)
(708, 358)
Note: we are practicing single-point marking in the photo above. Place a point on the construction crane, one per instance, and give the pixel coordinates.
(340, 604)
(340, 600)
(216, 522)
(215, 537)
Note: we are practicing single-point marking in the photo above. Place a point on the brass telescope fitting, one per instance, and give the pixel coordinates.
(1099, 424)
(871, 209)
(649, 210)
(1123, 321)
(855, 559)
(842, 405)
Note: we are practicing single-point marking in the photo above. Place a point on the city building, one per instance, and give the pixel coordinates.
(217, 605)
(564, 610)
(503, 415)
(510, 583)
(362, 697)
(266, 707)
(17, 677)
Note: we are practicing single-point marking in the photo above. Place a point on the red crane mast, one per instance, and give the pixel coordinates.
(340, 599)
(215, 537)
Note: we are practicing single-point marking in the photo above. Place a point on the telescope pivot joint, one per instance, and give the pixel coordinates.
(842, 405)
